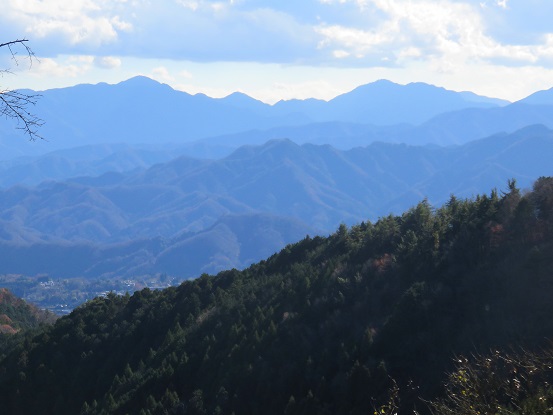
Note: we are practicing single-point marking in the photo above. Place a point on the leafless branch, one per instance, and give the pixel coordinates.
(14, 104)
(21, 42)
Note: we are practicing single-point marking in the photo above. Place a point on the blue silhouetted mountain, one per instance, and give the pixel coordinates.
(160, 213)
(445, 129)
(466, 125)
(245, 102)
(91, 160)
(386, 103)
(233, 241)
(539, 98)
(141, 110)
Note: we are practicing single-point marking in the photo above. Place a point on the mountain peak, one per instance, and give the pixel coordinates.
(139, 80)
(242, 100)
(238, 95)
(276, 146)
(383, 82)
(544, 97)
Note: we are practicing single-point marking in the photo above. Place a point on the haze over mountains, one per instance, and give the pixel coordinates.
(159, 123)
(141, 110)
(146, 179)
(189, 216)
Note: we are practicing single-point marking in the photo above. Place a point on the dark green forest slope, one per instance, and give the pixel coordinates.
(320, 328)
(16, 316)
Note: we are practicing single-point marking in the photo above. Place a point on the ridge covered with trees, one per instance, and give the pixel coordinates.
(17, 316)
(320, 328)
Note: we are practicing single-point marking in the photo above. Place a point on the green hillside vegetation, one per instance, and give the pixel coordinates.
(17, 315)
(320, 328)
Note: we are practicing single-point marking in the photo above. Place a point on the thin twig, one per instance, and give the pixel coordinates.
(14, 104)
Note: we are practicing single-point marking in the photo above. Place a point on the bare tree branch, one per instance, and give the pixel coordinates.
(14, 104)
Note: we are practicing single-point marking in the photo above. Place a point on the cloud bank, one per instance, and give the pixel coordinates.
(443, 36)
(329, 32)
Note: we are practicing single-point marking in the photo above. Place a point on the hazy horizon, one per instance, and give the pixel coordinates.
(272, 50)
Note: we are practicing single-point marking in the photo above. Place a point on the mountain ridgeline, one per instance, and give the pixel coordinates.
(143, 111)
(152, 117)
(189, 216)
(321, 327)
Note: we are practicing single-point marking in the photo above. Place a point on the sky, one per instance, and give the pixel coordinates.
(282, 49)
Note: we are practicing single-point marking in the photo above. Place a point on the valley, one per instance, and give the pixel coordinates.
(234, 245)
(106, 207)
(330, 207)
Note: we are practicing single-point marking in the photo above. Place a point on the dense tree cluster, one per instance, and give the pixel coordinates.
(320, 328)
(17, 315)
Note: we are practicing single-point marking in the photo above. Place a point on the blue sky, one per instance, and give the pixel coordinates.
(282, 49)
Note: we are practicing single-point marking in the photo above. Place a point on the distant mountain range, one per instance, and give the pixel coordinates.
(386, 103)
(140, 178)
(137, 179)
(94, 129)
(141, 110)
(190, 216)
(233, 241)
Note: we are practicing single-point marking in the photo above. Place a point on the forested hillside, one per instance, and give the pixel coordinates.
(17, 315)
(320, 328)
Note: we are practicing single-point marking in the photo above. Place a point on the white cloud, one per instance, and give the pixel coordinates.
(161, 73)
(189, 4)
(185, 74)
(358, 41)
(107, 62)
(73, 22)
(452, 31)
(410, 52)
(215, 6)
(447, 38)
(340, 54)
(120, 24)
(499, 3)
(343, 32)
(73, 67)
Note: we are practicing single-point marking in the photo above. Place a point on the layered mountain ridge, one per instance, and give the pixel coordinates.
(141, 110)
(153, 213)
